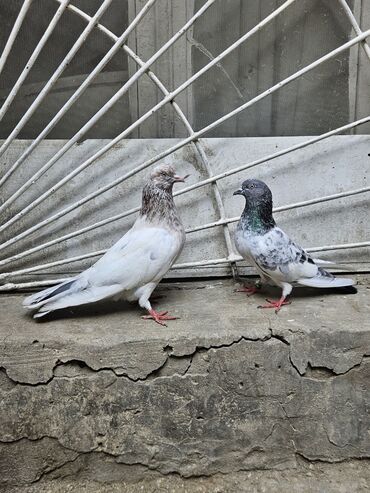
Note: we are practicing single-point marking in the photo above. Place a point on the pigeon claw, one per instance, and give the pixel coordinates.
(250, 290)
(158, 317)
(277, 304)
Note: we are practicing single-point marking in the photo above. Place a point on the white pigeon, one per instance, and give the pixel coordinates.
(276, 257)
(132, 267)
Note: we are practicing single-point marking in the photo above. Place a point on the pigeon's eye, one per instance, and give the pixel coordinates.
(251, 186)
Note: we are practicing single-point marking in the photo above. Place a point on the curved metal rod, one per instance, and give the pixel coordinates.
(103, 62)
(50, 83)
(222, 222)
(355, 26)
(170, 150)
(51, 26)
(202, 263)
(197, 144)
(184, 190)
(103, 110)
(14, 33)
(92, 21)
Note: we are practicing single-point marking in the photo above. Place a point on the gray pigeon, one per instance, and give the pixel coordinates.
(276, 257)
(132, 268)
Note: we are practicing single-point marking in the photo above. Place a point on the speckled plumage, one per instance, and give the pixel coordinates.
(276, 257)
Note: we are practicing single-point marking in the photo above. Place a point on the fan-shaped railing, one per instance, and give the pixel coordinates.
(143, 69)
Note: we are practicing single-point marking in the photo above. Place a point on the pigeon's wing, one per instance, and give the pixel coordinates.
(285, 261)
(143, 255)
(281, 259)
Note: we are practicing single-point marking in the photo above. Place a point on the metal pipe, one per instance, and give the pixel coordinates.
(54, 21)
(172, 149)
(288, 207)
(355, 26)
(103, 62)
(201, 263)
(93, 120)
(223, 221)
(48, 86)
(180, 192)
(14, 33)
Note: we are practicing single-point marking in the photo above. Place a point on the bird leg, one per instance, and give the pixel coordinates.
(158, 317)
(250, 290)
(277, 304)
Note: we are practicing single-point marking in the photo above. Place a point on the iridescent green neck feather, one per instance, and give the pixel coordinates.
(257, 216)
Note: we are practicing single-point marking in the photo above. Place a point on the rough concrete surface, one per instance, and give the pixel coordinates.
(226, 398)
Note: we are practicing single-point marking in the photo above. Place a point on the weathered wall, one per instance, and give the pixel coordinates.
(335, 165)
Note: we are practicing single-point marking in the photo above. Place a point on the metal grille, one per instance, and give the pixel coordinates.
(8, 229)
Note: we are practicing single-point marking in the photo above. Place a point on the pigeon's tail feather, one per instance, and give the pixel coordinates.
(38, 299)
(75, 298)
(326, 281)
(330, 265)
(40, 314)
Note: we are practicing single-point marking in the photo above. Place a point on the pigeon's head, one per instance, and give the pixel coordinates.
(254, 191)
(164, 176)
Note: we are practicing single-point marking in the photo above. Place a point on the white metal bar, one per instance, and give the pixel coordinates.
(274, 155)
(238, 258)
(48, 265)
(97, 117)
(50, 83)
(220, 176)
(219, 204)
(54, 21)
(196, 135)
(355, 26)
(198, 148)
(186, 265)
(222, 222)
(10, 286)
(106, 221)
(170, 150)
(103, 62)
(14, 33)
(344, 246)
(197, 144)
(127, 131)
(282, 208)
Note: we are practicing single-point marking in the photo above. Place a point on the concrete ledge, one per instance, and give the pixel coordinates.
(227, 388)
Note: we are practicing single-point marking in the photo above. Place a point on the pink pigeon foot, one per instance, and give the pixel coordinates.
(158, 317)
(277, 304)
(250, 290)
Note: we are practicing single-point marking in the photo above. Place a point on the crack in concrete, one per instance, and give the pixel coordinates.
(327, 460)
(311, 371)
(315, 372)
(200, 46)
(56, 468)
(149, 376)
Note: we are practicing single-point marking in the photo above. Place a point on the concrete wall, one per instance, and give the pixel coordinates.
(338, 164)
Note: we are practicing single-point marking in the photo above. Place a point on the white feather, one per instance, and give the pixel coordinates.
(130, 269)
(326, 282)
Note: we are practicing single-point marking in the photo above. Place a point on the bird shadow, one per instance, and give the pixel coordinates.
(93, 310)
(307, 292)
(104, 308)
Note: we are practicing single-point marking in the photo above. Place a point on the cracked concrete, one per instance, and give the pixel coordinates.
(225, 389)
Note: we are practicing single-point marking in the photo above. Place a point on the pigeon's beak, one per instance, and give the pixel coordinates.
(238, 192)
(177, 178)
